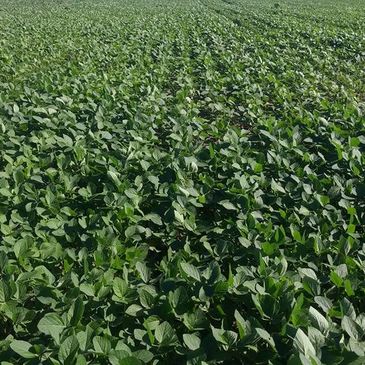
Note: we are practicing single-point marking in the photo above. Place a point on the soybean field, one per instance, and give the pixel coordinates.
(182, 182)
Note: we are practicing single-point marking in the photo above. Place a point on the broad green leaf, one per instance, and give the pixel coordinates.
(120, 287)
(81, 360)
(143, 271)
(115, 356)
(190, 270)
(68, 350)
(351, 327)
(319, 321)
(297, 312)
(51, 324)
(134, 310)
(303, 344)
(114, 178)
(266, 336)
(5, 291)
(101, 345)
(144, 355)
(196, 320)
(228, 338)
(22, 349)
(165, 334)
(78, 311)
(228, 205)
(241, 324)
(191, 341)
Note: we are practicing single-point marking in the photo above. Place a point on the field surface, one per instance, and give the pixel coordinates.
(182, 182)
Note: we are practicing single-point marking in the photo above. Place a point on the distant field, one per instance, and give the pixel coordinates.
(182, 182)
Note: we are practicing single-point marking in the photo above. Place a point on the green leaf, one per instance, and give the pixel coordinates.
(297, 236)
(101, 345)
(297, 313)
(130, 231)
(191, 341)
(351, 327)
(120, 287)
(241, 324)
(68, 350)
(227, 204)
(319, 321)
(190, 270)
(84, 338)
(276, 187)
(81, 360)
(5, 192)
(179, 298)
(336, 279)
(78, 311)
(155, 218)
(324, 303)
(52, 324)
(88, 289)
(151, 324)
(3, 263)
(266, 337)
(22, 349)
(165, 334)
(146, 298)
(115, 356)
(5, 291)
(134, 310)
(228, 338)
(143, 271)
(18, 176)
(179, 217)
(303, 344)
(348, 288)
(114, 178)
(144, 355)
(196, 320)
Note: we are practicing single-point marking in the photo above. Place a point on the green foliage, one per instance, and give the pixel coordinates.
(182, 182)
